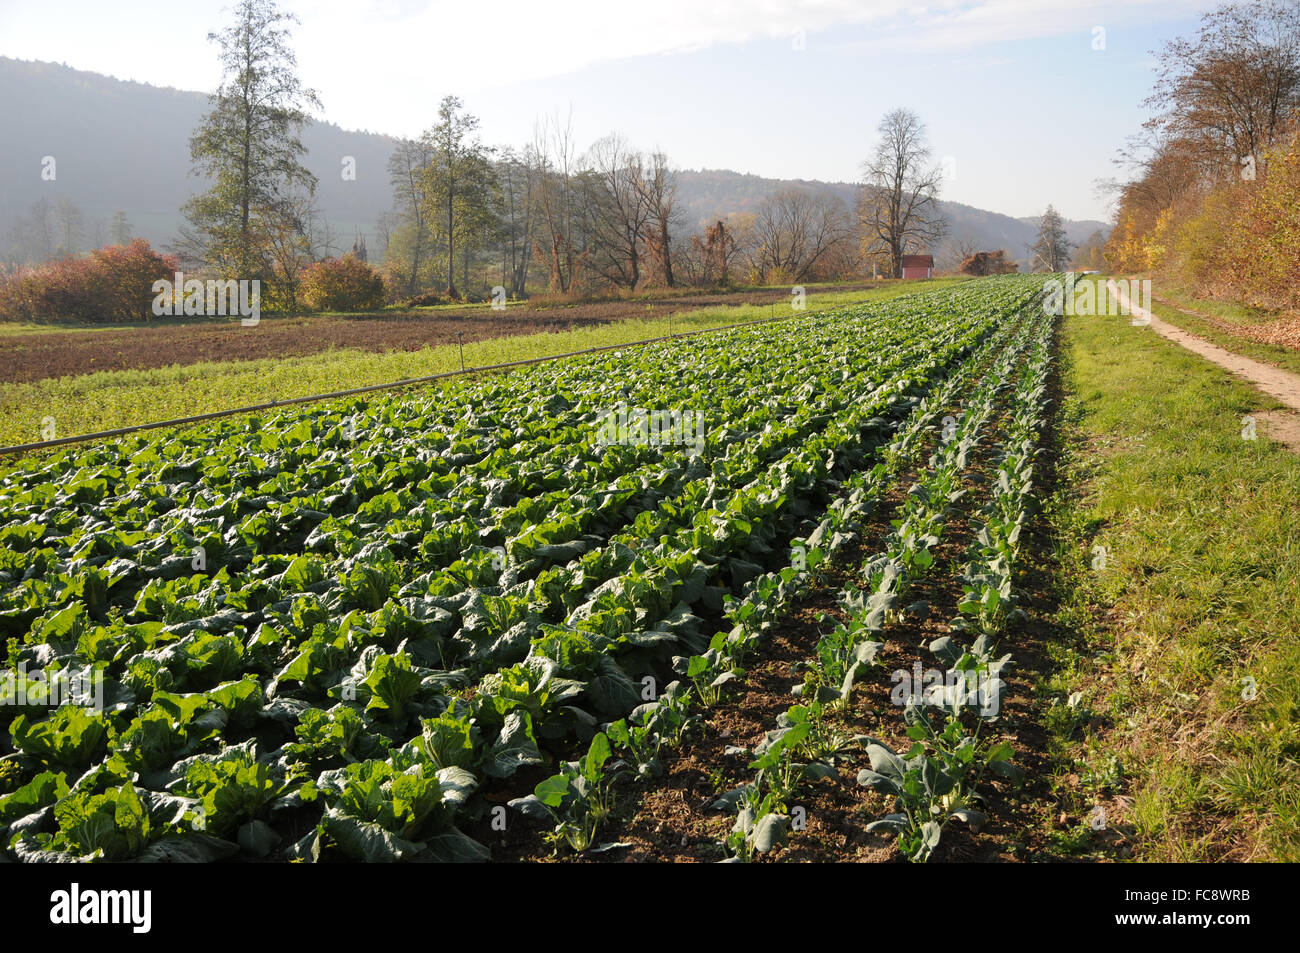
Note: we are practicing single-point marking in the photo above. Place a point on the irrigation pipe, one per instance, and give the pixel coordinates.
(391, 385)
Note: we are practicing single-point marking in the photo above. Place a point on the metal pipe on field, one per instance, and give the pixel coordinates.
(350, 392)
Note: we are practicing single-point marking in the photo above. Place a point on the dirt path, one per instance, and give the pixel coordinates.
(1277, 383)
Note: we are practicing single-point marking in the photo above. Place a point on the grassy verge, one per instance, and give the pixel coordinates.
(103, 401)
(1227, 311)
(1177, 313)
(1183, 685)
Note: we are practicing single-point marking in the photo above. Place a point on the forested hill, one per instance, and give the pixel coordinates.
(123, 145)
(711, 193)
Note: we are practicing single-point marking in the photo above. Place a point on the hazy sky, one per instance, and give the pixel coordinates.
(1016, 93)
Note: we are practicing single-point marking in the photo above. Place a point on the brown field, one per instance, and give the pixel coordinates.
(25, 358)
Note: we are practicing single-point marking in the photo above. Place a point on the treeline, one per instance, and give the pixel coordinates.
(1215, 200)
(547, 216)
(468, 218)
(52, 230)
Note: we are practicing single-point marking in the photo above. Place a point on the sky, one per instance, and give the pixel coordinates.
(1025, 101)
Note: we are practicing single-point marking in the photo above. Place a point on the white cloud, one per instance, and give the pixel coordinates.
(414, 50)
(965, 25)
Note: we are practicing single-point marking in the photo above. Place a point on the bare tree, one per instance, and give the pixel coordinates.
(1164, 171)
(411, 232)
(616, 206)
(793, 230)
(35, 234)
(519, 176)
(289, 246)
(68, 220)
(899, 204)
(553, 191)
(121, 229)
(98, 233)
(958, 252)
(384, 226)
(658, 187)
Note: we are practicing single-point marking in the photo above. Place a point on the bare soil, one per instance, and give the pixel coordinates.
(28, 358)
(25, 358)
(1280, 425)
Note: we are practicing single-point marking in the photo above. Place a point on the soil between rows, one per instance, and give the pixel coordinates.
(669, 819)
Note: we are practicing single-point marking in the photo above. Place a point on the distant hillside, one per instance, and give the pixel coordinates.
(123, 145)
(709, 194)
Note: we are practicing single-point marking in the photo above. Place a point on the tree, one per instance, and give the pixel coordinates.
(249, 144)
(792, 232)
(899, 203)
(519, 176)
(616, 211)
(33, 234)
(1167, 172)
(384, 224)
(121, 228)
(98, 233)
(711, 255)
(1051, 249)
(294, 239)
(411, 238)
(69, 220)
(658, 186)
(459, 182)
(557, 246)
(1090, 256)
(1232, 89)
(959, 252)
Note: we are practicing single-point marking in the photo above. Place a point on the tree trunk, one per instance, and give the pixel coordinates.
(451, 242)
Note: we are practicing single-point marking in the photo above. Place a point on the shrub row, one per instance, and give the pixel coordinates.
(111, 284)
(115, 284)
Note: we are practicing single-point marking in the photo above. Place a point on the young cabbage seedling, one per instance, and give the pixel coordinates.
(759, 827)
(578, 799)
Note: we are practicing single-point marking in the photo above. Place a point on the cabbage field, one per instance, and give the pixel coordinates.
(369, 630)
